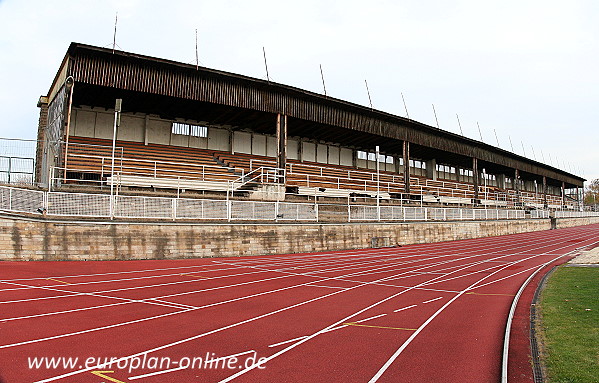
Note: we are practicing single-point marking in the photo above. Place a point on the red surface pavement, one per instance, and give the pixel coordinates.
(421, 313)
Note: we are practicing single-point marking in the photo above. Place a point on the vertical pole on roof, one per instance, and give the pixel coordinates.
(378, 184)
(512, 146)
(116, 19)
(523, 151)
(265, 64)
(404, 106)
(368, 91)
(479, 132)
(459, 124)
(322, 77)
(436, 119)
(197, 59)
(496, 139)
(117, 122)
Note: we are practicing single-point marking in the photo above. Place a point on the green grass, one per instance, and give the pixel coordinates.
(570, 330)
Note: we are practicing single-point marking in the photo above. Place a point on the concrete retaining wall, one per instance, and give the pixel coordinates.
(22, 239)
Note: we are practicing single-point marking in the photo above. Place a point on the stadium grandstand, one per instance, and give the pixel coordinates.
(204, 133)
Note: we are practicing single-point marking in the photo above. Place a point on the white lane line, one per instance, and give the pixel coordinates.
(158, 373)
(251, 319)
(395, 355)
(239, 323)
(64, 312)
(335, 328)
(222, 328)
(432, 300)
(404, 308)
(111, 273)
(101, 296)
(186, 367)
(169, 314)
(328, 287)
(364, 320)
(234, 376)
(288, 341)
(120, 279)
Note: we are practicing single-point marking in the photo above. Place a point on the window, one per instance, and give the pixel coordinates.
(372, 157)
(189, 130)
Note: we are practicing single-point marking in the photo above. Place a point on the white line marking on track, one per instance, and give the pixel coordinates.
(234, 376)
(157, 373)
(261, 316)
(328, 287)
(63, 312)
(287, 341)
(432, 300)
(404, 308)
(364, 320)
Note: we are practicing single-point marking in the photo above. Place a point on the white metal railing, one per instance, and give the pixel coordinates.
(408, 213)
(139, 207)
(262, 175)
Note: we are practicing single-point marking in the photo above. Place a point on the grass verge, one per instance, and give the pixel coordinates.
(570, 325)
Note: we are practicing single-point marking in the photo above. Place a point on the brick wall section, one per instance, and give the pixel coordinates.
(46, 240)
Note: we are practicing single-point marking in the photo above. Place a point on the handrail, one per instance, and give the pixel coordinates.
(259, 173)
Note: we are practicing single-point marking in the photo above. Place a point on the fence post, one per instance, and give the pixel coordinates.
(276, 210)
(228, 210)
(45, 201)
(174, 208)
(317, 211)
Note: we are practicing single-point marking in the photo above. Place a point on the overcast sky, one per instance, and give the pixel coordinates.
(528, 70)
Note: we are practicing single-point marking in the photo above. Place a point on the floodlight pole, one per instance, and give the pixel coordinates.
(117, 122)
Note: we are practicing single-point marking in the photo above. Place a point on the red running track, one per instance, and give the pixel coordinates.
(420, 313)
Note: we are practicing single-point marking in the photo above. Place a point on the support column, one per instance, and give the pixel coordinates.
(406, 166)
(475, 177)
(41, 173)
(281, 143)
(545, 191)
(563, 194)
(501, 181)
(431, 169)
(517, 184)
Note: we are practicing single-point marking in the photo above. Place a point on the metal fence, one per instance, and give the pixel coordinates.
(17, 161)
(407, 213)
(139, 207)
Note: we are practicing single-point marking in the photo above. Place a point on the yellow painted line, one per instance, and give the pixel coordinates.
(505, 295)
(101, 374)
(57, 280)
(391, 328)
(195, 276)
